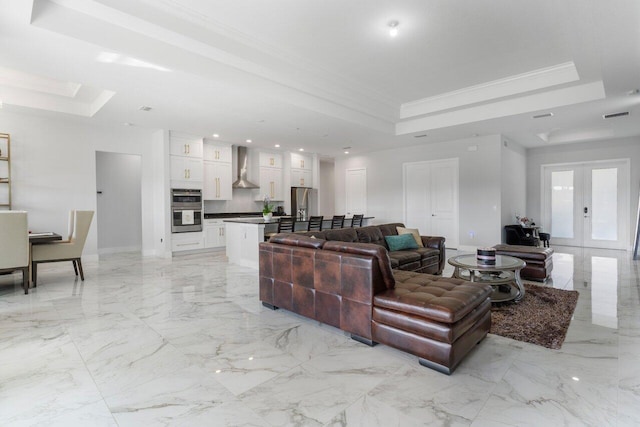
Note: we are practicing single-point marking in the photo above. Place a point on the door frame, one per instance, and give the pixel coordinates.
(545, 202)
(455, 161)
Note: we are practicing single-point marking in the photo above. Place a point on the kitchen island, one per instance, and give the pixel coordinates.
(243, 236)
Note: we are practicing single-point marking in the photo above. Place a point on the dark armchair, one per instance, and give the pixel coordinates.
(518, 235)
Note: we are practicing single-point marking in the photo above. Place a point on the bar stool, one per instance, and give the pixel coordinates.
(356, 221)
(315, 223)
(545, 237)
(337, 221)
(286, 224)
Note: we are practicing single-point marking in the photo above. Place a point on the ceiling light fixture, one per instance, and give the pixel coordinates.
(346, 152)
(300, 149)
(277, 145)
(215, 135)
(249, 141)
(393, 28)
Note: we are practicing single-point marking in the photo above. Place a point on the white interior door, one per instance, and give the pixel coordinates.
(431, 198)
(587, 204)
(356, 191)
(118, 205)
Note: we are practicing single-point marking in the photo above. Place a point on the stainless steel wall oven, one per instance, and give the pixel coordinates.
(186, 210)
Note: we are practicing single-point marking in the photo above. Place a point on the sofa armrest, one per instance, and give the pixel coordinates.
(436, 242)
(433, 242)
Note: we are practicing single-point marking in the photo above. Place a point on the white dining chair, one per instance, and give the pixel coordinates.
(66, 250)
(14, 245)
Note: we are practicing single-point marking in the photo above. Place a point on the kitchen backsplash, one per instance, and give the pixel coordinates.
(243, 201)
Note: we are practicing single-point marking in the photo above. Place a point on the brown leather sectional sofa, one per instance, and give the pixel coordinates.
(429, 259)
(350, 285)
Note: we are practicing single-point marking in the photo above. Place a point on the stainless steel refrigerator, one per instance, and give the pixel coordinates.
(304, 202)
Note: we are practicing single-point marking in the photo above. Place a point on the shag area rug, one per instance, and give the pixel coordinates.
(542, 317)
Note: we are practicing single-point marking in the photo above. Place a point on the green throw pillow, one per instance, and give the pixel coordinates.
(403, 241)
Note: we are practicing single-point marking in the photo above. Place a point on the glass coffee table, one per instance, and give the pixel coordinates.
(504, 276)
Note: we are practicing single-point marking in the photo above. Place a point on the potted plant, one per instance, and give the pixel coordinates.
(267, 209)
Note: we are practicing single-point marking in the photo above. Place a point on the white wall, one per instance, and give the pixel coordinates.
(480, 184)
(54, 169)
(514, 183)
(624, 148)
(326, 189)
(159, 163)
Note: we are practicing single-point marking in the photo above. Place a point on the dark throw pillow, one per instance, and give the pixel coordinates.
(400, 242)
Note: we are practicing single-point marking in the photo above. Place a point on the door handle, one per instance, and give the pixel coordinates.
(433, 214)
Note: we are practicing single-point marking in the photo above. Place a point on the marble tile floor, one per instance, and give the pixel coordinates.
(185, 342)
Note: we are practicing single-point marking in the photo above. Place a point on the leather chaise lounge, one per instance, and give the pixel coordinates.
(351, 286)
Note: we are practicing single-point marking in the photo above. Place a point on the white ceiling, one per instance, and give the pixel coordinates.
(324, 74)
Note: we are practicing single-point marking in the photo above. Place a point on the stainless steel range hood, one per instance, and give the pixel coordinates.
(242, 181)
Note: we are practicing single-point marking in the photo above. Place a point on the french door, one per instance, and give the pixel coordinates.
(431, 198)
(587, 204)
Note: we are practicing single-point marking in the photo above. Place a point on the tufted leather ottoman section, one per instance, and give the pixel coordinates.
(438, 319)
(539, 260)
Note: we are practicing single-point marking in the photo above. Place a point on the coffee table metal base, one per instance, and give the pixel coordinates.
(504, 279)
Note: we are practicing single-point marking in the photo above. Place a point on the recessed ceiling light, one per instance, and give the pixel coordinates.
(300, 149)
(144, 108)
(215, 135)
(277, 145)
(346, 152)
(393, 28)
(249, 141)
(540, 116)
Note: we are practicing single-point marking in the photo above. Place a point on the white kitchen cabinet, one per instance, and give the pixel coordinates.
(271, 160)
(301, 170)
(186, 172)
(186, 241)
(214, 234)
(217, 181)
(243, 243)
(301, 161)
(301, 178)
(217, 152)
(186, 147)
(271, 184)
